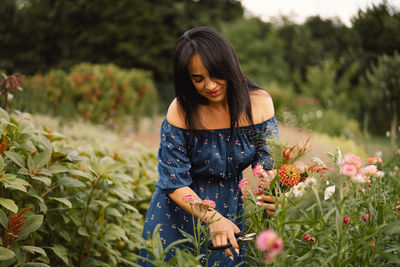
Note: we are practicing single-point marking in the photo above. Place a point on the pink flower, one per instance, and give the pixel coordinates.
(346, 220)
(208, 204)
(269, 241)
(359, 178)
(189, 199)
(374, 160)
(398, 206)
(349, 169)
(398, 152)
(369, 170)
(257, 170)
(266, 239)
(264, 183)
(379, 174)
(366, 216)
(244, 186)
(350, 158)
(257, 191)
(301, 166)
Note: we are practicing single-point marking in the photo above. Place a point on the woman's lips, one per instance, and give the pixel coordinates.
(215, 93)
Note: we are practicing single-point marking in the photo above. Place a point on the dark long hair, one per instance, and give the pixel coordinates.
(219, 58)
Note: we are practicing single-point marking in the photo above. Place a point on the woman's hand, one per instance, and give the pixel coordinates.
(268, 201)
(222, 230)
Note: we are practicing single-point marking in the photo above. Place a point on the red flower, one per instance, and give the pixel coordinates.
(312, 239)
(364, 218)
(289, 175)
(346, 220)
(306, 237)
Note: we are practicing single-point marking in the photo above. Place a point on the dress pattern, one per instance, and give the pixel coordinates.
(210, 162)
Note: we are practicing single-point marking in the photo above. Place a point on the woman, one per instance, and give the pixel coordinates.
(207, 140)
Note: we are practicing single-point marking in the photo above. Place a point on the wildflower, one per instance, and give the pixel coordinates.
(379, 174)
(349, 169)
(264, 183)
(372, 243)
(244, 186)
(208, 204)
(317, 167)
(306, 237)
(346, 220)
(301, 166)
(266, 239)
(375, 160)
(189, 199)
(364, 218)
(398, 206)
(289, 175)
(269, 241)
(369, 170)
(304, 146)
(398, 152)
(310, 182)
(15, 224)
(288, 154)
(257, 170)
(312, 239)
(350, 158)
(299, 189)
(329, 192)
(257, 191)
(358, 178)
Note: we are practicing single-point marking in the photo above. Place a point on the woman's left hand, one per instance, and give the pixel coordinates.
(269, 201)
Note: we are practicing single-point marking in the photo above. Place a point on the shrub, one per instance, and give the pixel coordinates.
(95, 92)
(86, 205)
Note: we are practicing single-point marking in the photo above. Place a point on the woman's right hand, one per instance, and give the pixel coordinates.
(222, 230)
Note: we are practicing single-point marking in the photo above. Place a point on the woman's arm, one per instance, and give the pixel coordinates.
(221, 229)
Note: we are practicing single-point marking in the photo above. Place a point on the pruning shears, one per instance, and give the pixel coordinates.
(240, 237)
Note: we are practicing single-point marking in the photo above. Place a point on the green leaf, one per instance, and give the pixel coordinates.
(34, 250)
(45, 180)
(46, 172)
(83, 231)
(65, 201)
(26, 127)
(3, 219)
(42, 205)
(31, 164)
(33, 264)
(9, 204)
(4, 115)
(6, 254)
(61, 252)
(81, 174)
(32, 223)
(71, 182)
(16, 158)
(113, 212)
(55, 169)
(42, 158)
(1, 164)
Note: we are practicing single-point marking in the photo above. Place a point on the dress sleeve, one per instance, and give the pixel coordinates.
(267, 130)
(173, 160)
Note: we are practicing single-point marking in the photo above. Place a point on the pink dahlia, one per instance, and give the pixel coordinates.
(266, 240)
(257, 171)
(350, 158)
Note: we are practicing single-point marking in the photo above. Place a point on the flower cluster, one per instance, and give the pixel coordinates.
(309, 238)
(245, 188)
(351, 166)
(15, 226)
(270, 242)
(199, 204)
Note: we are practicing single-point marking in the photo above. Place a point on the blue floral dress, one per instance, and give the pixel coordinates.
(211, 163)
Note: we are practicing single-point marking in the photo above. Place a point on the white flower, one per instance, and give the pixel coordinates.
(358, 178)
(329, 192)
(299, 189)
(310, 182)
(319, 161)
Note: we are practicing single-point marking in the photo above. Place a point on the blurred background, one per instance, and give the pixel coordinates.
(332, 68)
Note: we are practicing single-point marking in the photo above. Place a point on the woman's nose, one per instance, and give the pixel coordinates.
(210, 85)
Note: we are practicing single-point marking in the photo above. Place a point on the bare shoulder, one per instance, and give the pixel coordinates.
(262, 105)
(175, 115)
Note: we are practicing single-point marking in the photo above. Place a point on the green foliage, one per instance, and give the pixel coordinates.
(95, 92)
(87, 202)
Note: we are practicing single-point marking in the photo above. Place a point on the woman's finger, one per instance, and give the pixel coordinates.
(269, 205)
(233, 241)
(270, 213)
(271, 199)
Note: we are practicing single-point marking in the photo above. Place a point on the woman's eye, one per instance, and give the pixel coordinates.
(198, 81)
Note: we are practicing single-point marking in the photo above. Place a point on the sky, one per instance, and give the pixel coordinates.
(299, 10)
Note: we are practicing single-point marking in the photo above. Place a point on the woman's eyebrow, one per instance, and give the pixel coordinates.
(196, 75)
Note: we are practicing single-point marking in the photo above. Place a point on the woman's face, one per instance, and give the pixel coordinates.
(211, 88)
